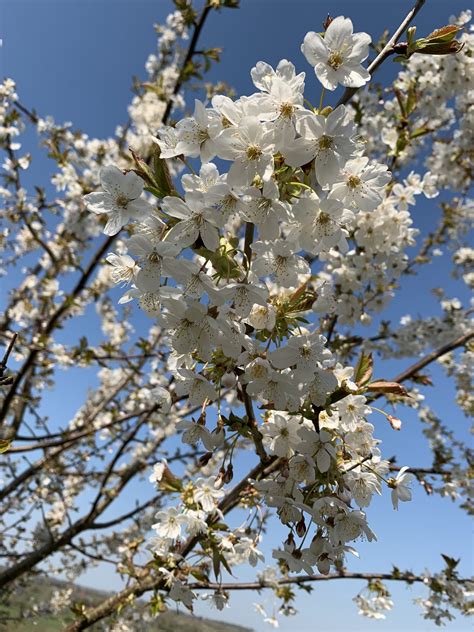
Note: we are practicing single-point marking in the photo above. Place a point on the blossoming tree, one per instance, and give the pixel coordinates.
(257, 234)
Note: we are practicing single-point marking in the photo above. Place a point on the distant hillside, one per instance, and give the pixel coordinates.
(45, 621)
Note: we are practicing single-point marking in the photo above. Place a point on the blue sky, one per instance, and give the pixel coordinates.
(74, 59)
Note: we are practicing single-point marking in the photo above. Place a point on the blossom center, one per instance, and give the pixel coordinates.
(287, 109)
(203, 135)
(353, 182)
(281, 262)
(122, 201)
(259, 371)
(324, 219)
(325, 142)
(254, 152)
(228, 203)
(335, 60)
(264, 204)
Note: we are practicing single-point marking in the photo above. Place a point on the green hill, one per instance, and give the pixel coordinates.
(18, 614)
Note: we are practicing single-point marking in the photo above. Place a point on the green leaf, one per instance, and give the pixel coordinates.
(4, 445)
(216, 562)
(154, 191)
(162, 176)
(420, 131)
(234, 419)
(411, 100)
(439, 42)
(142, 169)
(451, 563)
(223, 263)
(364, 369)
(199, 575)
(225, 564)
(444, 34)
(382, 386)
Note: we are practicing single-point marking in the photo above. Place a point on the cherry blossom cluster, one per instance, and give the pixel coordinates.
(229, 262)
(258, 234)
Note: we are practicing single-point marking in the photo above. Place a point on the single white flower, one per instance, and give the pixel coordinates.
(318, 445)
(250, 146)
(337, 57)
(169, 522)
(120, 198)
(193, 136)
(329, 140)
(361, 184)
(124, 268)
(243, 297)
(206, 494)
(158, 471)
(279, 259)
(280, 434)
(195, 220)
(400, 486)
(195, 386)
(263, 208)
(305, 352)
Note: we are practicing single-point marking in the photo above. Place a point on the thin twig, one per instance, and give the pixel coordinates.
(11, 344)
(386, 51)
(434, 355)
(305, 579)
(189, 55)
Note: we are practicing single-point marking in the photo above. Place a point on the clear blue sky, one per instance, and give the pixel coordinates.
(74, 59)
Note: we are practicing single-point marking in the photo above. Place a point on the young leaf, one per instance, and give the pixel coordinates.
(381, 386)
(364, 369)
(4, 445)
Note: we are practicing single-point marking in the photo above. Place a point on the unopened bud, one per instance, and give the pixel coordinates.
(301, 528)
(290, 541)
(317, 545)
(395, 422)
(326, 111)
(324, 564)
(204, 459)
(228, 380)
(426, 486)
(327, 22)
(229, 474)
(219, 482)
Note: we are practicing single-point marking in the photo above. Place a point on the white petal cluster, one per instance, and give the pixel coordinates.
(235, 262)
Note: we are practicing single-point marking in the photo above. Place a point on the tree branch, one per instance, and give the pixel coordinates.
(434, 355)
(305, 579)
(148, 582)
(386, 51)
(189, 55)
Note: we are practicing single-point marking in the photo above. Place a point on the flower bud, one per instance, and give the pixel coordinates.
(301, 528)
(204, 459)
(327, 22)
(395, 422)
(229, 474)
(219, 482)
(290, 541)
(228, 380)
